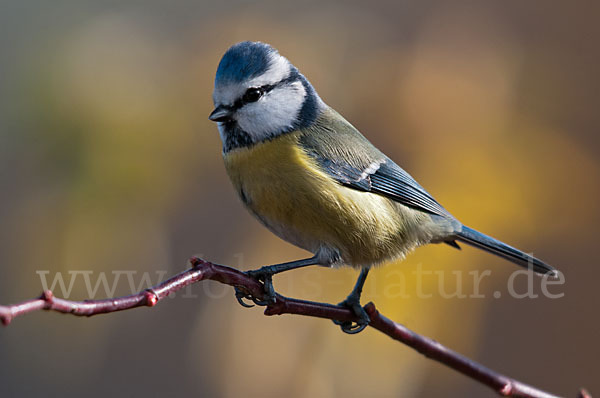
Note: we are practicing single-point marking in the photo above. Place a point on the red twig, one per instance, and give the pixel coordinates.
(203, 270)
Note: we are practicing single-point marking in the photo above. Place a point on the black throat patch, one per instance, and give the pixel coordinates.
(235, 137)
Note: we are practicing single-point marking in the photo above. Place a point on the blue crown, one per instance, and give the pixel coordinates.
(244, 61)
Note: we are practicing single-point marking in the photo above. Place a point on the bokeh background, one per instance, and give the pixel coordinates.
(109, 163)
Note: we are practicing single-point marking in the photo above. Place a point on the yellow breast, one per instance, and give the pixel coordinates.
(288, 193)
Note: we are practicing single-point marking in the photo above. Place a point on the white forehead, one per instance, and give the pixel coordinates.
(279, 69)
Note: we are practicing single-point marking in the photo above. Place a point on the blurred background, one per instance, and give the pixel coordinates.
(108, 165)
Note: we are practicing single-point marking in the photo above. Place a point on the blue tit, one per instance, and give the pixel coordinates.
(315, 181)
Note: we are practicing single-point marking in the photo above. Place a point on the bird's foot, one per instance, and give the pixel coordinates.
(265, 276)
(353, 303)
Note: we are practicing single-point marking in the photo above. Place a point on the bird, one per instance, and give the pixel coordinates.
(315, 181)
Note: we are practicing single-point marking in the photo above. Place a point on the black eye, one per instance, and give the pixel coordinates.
(252, 94)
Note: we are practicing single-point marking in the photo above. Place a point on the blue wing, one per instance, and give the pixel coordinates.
(349, 158)
(385, 178)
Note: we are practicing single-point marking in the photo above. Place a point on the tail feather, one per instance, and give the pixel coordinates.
(487, 243)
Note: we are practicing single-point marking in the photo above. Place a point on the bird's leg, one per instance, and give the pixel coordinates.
(265, 275)
(353, 302)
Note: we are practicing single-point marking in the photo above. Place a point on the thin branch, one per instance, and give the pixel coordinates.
(203, 270)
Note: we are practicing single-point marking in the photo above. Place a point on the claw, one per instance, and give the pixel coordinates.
(243, 303)
(266, 277)
(263, 303)
(353, 303)
(241, 296)
(353, 327)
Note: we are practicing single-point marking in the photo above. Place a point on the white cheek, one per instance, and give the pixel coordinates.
(275, 112)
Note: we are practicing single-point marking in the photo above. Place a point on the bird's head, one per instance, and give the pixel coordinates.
(260, 95)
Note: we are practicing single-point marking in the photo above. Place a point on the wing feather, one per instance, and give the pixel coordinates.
(349, 158)
(388, 180)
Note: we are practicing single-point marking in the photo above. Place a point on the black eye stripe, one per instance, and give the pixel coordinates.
(243, 100)
(253, 94)
(240, 102)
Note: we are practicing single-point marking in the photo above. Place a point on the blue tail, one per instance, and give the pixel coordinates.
(481, 241)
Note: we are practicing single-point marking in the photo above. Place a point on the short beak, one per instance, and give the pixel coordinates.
(220, 114)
